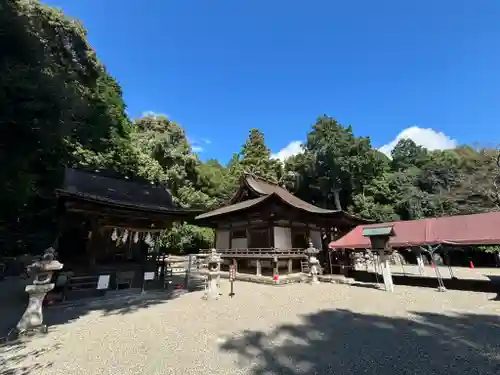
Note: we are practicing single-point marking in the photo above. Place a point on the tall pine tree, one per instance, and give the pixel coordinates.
(255, 157)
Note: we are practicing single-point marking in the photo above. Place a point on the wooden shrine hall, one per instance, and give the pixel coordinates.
(266, 228)
(110, 225)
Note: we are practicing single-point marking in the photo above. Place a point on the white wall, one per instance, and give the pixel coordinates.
(282, 238)
(222, 239)
(239, 243)
(316, 239)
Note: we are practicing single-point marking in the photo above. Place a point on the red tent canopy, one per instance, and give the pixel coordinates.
(478, 229)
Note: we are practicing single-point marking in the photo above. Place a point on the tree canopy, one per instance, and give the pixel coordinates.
(60, 107)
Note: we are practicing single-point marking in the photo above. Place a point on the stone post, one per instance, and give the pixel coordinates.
(290, 266)
(379, 240)
(386, 271)
(214, 261)
(235, 264)
(311, 252)
(275, 266)
(313, 265)
(259, 268)
(42, 271)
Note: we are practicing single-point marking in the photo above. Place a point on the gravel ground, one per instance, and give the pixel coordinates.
(294, 329)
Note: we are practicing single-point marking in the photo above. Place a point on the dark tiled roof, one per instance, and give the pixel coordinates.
(263, 187)
(232, 208)
(108, 190)
(266, 189)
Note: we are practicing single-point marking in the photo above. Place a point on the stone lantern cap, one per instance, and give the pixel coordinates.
(213, 257)
(311, 251)
(47, 264)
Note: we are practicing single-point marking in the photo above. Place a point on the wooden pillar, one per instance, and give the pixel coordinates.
(290, 266)
(258, 270)
(270, 224)
(89, 250)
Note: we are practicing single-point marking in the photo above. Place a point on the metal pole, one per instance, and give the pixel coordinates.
(403, 268)
(449, 265)
(431, 252)
(232, 289)
(232, 276)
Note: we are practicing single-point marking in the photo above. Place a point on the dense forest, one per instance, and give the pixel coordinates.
(60, 107)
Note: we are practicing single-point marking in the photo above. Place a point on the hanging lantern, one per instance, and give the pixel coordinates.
(125, 236)
(114, 235)
(136, 237)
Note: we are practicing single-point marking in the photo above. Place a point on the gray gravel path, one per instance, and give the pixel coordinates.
(294, 329)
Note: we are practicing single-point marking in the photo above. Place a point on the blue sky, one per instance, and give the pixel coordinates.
(221, 67)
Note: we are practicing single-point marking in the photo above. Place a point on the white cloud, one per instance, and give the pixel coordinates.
(197, 146)
(154, 114)
(293, 148)
(428, 138)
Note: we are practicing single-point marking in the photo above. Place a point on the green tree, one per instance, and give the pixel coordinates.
(58, 103)
(255, 157)
(407, 154)
(216, 181)
(479, 188)
(167, 156)
(335, 165)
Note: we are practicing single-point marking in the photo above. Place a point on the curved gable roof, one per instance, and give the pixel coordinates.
(265, 190)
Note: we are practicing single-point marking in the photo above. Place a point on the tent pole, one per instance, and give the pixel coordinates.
(449, 265)
(401, 258)
(431, 252)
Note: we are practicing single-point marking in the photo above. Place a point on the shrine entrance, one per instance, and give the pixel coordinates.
(111, 233)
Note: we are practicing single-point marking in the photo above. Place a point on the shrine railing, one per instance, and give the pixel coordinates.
(256, 252)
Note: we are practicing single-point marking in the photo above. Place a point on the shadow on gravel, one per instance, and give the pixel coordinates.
(485, 286)
(13, 357)
(367, 286)
(343, 342)
(108, 305)
(13, 302)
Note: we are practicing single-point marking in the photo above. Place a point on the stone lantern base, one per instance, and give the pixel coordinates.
(32, 319)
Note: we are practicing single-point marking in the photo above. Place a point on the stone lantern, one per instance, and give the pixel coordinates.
(311, 253)
(42, 271)
(213, 262)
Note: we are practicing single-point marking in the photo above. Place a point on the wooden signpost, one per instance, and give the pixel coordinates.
(232, 277)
